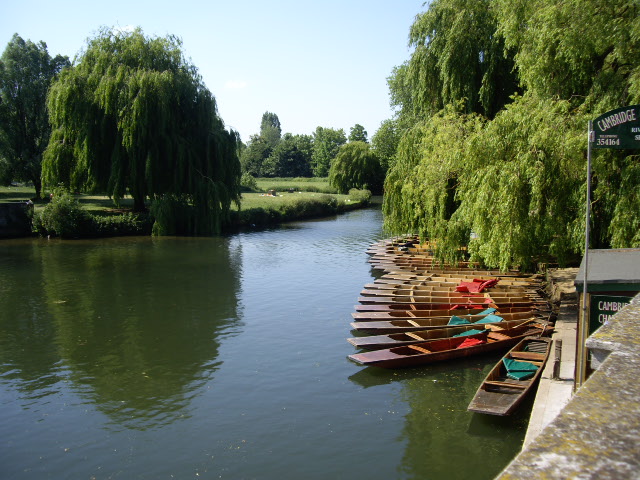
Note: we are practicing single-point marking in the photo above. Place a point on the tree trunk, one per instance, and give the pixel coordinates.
(37, 183)
(138, 204)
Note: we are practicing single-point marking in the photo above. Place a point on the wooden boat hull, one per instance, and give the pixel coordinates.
(444, 302)
(440, 350)
(377, 342)
(498, 395)
(376, 315)
(415, 325)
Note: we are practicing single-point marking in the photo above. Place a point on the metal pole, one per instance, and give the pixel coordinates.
(584, 326)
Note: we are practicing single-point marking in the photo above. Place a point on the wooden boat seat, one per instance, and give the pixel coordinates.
(528, 356)
(493, 327)
(495, 336)
(415, 324)
(420, 349)
(416, 336)
(504, 384)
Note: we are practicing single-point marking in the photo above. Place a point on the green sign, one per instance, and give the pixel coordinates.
(618, 128)
(603, 307)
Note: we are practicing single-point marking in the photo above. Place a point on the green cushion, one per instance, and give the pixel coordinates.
(519, 370)
(490, 319)
(458, 321)
(469, 332)
(487, 311)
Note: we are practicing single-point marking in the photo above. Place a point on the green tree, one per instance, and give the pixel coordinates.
(576, 49)
(26, 72)
(358, 134)
(385, 142)
(290, 158)
(270, 129)
(257, 151)
(356, 166)
(326, 144)
(516, 179)
(134, 114)
(457, 55)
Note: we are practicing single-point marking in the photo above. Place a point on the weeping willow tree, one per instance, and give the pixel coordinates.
(510, 187)
(133, 115)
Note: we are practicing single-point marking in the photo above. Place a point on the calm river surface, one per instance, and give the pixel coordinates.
(160, 358)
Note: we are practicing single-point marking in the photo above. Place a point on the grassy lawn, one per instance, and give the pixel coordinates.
(93, 203)
(10, 194)
(294, 199)
(260, 200)
(301, 183)
(305, 188)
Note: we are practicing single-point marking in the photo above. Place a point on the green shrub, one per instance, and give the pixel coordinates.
(124, 224)
(362, 196)
(63, 217)
(172, 215)
(248, 183)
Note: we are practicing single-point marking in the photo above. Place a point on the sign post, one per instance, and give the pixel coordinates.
(619, 129)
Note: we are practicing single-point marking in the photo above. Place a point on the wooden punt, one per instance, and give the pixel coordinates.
(420, 293)
(433, 286)
(422, 310)
(429, 303)
(458, 277)
(444, 349)
(499, 394)
(377, 342)
(414, 325)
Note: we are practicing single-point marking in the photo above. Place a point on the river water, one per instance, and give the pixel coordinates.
(161, 358)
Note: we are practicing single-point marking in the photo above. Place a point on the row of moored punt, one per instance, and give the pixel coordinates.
(420, 312)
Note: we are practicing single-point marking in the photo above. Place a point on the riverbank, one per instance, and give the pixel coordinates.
(98, 217)
(556, 383)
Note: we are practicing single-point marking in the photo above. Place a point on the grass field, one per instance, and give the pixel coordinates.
(303, 189)
(260, 200)
(314, 184)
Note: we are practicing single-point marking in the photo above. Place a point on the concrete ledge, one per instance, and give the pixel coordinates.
(15, 219)
(597, 435)
(554, 393)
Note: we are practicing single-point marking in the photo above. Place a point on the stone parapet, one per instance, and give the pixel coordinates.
(15, 219)
(597, 435)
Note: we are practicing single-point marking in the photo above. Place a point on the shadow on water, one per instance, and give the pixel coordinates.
(438, 427)
(132, 323)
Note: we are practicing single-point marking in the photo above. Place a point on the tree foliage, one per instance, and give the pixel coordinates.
(290, 158)
(505, 178)
(326, 144)
(457, 55)
(257, 151)
(385, 142)
(134, 115)
(270, 129)
(358, 134)
(356, 166)
(26, 72)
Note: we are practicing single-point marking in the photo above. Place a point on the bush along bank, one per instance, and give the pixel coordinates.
(300, 209)
(64, 217)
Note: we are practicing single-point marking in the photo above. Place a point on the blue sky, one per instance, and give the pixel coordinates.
(322, 63)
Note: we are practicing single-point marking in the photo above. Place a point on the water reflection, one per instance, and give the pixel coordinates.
(438, 428)
(134, 322)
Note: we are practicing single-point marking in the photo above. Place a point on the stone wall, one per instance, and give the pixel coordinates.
(597, 435)
(15, 219)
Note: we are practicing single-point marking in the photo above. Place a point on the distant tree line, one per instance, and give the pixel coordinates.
(132, 116)
(272, 154)
(492, 107)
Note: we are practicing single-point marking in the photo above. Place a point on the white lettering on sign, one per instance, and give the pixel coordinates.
(617, 119)
(611, 306)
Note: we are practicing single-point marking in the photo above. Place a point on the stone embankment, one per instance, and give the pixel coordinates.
(15, 219)
(596, 433)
